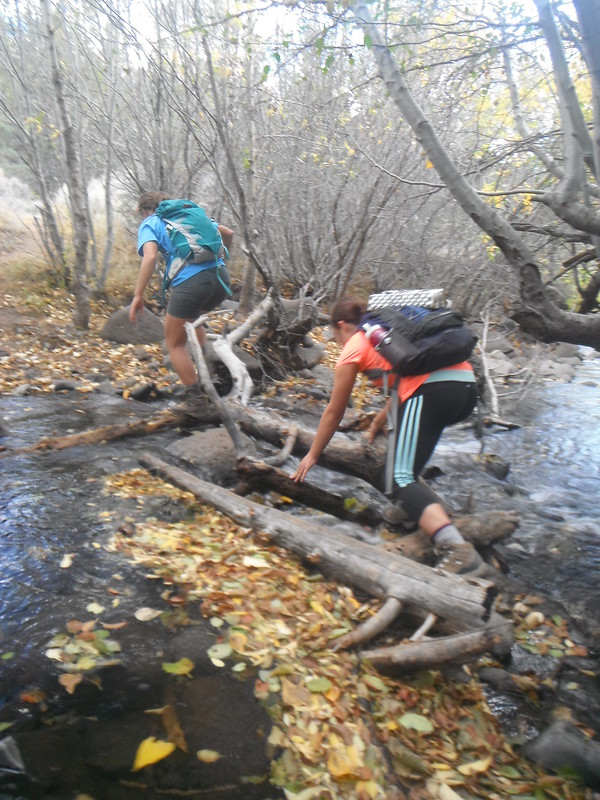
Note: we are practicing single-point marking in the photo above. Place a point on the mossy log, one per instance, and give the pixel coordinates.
(463, 604)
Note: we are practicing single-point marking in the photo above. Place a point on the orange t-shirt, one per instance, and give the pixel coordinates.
(357, 350)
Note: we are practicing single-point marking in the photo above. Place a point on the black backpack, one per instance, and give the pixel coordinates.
(416, 333)
(417, 340)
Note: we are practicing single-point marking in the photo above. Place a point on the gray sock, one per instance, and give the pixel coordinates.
(194, 390)
(447, 534)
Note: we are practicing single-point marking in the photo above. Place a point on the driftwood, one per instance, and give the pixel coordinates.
(441, 650)
(353, 456)
(364, 506)
(108, 433)
(463, 604)
(482, 530)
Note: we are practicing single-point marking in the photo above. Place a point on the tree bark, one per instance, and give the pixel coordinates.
(109, 433)
(537, 314)
(77, 192)
(443, 650)
(465, 604)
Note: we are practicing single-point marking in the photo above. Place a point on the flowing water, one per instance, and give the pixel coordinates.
(51, 506)
(554, 481)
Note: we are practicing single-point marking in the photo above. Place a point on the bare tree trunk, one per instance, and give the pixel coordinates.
(537, 314)
(74, 181)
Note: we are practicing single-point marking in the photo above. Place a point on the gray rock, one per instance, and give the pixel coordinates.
(64, 386)
(498, 342)
(559, 371)
(210, 452)
(566, 350)
(148, 328)
(323, 376)
(563, 746)
(499, 365)
(22, 390)
(106, 387)
(141, 354)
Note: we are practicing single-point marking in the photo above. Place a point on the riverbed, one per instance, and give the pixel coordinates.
(55, 518)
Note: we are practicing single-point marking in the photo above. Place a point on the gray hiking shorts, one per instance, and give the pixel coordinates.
(199, 294)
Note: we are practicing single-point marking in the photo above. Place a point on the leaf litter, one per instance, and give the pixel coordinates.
(337, 725)
(340, 729)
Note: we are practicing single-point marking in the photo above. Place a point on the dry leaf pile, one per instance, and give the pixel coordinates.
(41, 351)
(340, 730)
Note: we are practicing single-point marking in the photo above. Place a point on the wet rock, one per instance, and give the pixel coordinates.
(106, 387)
(148, 328)
(563, 747)
(65, 386)
(10, 756)
(560, 371)
(495, 465)
(211, 453)
(142, 392)
(22, 390)
(565, 350)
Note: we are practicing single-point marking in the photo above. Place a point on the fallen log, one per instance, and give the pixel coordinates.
(353, 456)
(481, 530)
(363, 506)
(372, 627)
(459, 647)
(108, 433)
(463, 604)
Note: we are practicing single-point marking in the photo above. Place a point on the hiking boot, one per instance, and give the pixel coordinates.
(459, 559)
(192, 400)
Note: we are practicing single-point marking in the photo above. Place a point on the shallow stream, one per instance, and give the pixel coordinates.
(52, 504)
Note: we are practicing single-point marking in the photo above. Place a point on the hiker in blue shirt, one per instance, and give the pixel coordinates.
(195, 290)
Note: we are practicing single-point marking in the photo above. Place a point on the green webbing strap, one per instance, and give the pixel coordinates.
(479, 424)
(222, 282)
(391, 420)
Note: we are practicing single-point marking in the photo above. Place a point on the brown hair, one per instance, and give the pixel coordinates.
(347, 309)
(150, 200)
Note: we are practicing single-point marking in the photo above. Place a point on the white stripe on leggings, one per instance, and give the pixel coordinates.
(406, 445)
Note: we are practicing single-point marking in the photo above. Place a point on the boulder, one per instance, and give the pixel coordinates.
(210, 453)
(499, 365)
(563, 747)
(147, 329)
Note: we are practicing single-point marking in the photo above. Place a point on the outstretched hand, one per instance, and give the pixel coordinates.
(303, 467)
(137, 306)
(373, 430)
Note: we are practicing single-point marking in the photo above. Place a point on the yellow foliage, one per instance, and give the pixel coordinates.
(150, 751)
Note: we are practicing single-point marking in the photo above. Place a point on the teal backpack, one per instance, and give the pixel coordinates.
(193, 234)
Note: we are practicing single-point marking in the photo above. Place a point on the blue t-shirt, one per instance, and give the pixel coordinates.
(153, 229)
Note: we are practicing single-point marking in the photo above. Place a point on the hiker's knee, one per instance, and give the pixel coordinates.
(175, 333)
(415, 498)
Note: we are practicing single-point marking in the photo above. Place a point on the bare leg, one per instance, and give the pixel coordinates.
(176, 338)
(433, 518)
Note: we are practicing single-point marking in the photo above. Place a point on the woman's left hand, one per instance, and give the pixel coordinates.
(304, 466)
(372, 431)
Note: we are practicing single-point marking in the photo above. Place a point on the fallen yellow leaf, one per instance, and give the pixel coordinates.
(343, 761)
(150, 751)
(70, 681)
(208, 756)
(475, 766)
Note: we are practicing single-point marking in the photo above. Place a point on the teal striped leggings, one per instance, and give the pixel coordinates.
(420, 423)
